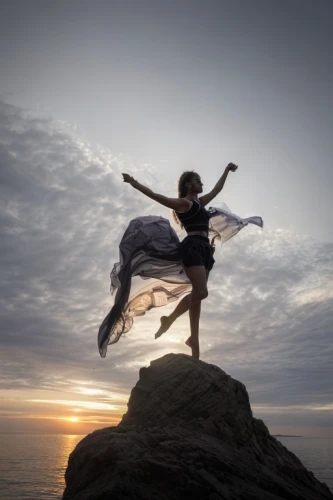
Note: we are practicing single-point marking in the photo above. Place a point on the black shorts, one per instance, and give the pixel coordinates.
(196, 250)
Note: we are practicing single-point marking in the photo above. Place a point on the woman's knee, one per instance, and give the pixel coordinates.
(199, 294)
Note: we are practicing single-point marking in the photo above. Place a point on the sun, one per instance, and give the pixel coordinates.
(73, 419)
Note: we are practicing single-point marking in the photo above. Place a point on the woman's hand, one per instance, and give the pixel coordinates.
(129, 179)
(232, 167)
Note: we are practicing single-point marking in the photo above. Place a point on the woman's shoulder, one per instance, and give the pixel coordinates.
(188, 204)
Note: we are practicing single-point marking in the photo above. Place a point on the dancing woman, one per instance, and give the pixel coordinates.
(195, 250)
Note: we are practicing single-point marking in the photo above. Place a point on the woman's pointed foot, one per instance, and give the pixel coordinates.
(165, 325)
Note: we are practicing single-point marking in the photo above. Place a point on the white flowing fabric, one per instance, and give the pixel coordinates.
(150, 249)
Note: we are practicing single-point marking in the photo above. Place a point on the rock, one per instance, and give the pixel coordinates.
(188, 433)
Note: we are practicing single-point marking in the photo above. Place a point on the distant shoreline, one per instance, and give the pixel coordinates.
(286, 436)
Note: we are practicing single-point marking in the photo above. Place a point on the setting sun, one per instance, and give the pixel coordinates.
(73, 419)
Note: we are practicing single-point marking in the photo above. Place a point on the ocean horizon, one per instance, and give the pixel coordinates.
(33, 465)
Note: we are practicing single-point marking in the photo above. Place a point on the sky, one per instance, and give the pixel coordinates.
(89, 90)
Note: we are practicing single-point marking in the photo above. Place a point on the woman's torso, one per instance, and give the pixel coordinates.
(195, 232)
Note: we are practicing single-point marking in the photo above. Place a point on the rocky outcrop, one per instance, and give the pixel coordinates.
(188, 433)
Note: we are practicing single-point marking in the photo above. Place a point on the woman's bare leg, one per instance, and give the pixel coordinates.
(181, 308)
(197, 276)
(166, 321)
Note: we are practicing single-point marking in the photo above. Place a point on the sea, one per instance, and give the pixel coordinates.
(32, 466)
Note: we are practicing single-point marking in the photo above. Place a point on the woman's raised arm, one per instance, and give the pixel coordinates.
(180, 204)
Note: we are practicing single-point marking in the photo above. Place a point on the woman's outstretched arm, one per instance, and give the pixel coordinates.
(180, 204)
(207, 198)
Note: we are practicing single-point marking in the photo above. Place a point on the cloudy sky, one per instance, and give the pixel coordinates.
(92, 89)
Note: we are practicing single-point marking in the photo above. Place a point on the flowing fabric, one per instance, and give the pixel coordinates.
(149, 249)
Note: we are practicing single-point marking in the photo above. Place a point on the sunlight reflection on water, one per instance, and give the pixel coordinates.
(33, 466)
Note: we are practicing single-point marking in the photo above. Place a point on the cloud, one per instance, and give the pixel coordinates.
(267, 321)
(63, 211)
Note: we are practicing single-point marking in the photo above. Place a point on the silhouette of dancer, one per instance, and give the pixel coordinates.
(196, 250)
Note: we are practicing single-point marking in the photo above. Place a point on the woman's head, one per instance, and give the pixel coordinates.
(189, 181)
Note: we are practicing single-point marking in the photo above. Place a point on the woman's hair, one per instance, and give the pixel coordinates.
(182, 190)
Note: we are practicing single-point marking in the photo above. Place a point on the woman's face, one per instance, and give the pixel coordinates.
(196, 184)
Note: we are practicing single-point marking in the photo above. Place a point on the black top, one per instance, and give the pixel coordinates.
(195, 219)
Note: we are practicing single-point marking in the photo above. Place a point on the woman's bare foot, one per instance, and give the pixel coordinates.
(188, 342)
(165, 325)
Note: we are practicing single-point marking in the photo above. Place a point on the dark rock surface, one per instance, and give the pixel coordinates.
(188, 433)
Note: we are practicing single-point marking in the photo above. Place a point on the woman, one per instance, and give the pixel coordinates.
(196, 252)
